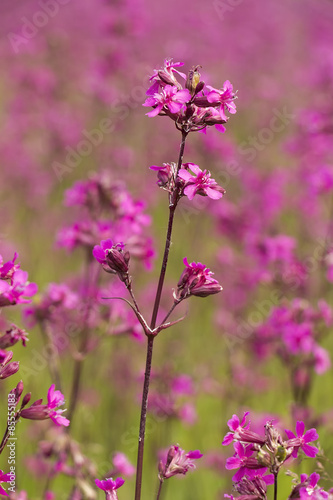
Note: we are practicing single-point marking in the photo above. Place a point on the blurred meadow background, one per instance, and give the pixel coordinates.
(68, 68)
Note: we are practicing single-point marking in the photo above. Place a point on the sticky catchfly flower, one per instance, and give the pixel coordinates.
(302, 439)
(200, 182)
(196, 279)
(177, 462)
(110, 486)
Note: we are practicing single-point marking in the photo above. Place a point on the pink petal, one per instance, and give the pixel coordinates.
(310, 451)
(310, 435)
(220, 128)
(185, 174)
(232, 463)
(228, 438)
(233, 423)
(190, 191)
(213, 96)
(30, 289)
(99, 254)
(118, 482)
(290, 434)
(155, 112)
(300, 428)
(213, 194)
(195, 168)
(183, 95)
(174, 107)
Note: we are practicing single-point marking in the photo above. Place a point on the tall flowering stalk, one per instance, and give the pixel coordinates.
(193, 108)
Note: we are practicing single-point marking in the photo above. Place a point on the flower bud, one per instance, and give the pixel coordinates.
(7, 357)
(26, 400)
(118, 261)
(9, 369)
(19, 390)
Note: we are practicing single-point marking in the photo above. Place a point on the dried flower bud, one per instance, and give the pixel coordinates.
(193, 80)
(264, 458)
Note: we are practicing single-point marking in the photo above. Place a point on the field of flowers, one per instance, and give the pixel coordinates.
(166, 249)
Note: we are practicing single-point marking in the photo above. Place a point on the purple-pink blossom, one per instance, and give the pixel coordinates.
(170, 99)
(18, 290)
(196, 279)
(113, 258)
(178, 462)
(225, 97)
(199, 183)
(38, 411)
(122, 465)
(5, 478)
(7, 269)
(242, 460)
(301, 440)
(109, 486)
(54, 400)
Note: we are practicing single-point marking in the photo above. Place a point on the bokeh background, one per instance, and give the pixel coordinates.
(69, 65)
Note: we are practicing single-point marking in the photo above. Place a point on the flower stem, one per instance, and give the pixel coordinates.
(54, 359)
(275, 485)
(159, 490)
(88, 290)
(150, 343)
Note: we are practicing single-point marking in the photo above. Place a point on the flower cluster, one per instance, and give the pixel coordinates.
(14, 285)
(106, 208)
(258, 459)
(293, 330)
(193, 108)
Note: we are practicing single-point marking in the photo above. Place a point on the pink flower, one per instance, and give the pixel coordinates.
(225, 97)
(171, 98)
(242, 460)
(110, 486)
(239, 431)
(17, 291)
(163, 76)
(178, 462)
(196, 279)
(8, 269)
(113, 258)
(200, 183)
(122, 465)
(5, 478)
(12, 336)
(54, 400)
(38, 411)
(301, 440)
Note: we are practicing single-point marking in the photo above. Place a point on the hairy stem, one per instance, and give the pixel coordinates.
(144, 401)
